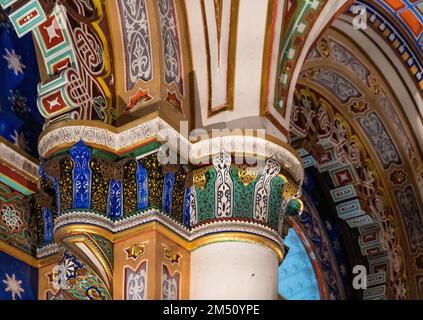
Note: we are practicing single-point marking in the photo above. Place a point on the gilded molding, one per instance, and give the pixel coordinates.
(171, 255)
(102, 137)
(114, 231)
(135, 250)
(240, 235)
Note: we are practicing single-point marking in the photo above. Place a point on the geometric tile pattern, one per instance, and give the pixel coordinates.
(15, 222)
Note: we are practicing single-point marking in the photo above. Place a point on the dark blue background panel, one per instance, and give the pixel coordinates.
(20, 121)
(18, 281)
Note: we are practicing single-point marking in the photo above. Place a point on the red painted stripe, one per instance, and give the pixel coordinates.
(28, 17)
(18, 178)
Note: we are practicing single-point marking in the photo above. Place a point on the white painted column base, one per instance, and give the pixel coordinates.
(234, 270)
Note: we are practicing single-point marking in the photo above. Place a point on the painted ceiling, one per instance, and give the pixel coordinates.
(409, 13)
(20, 121)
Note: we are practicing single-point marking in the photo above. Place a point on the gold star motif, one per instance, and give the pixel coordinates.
(171, 255)
(51, 276)
(359, 107)
(135, 250)
(398, 177)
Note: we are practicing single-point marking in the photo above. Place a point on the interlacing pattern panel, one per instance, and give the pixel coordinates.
(135, 24)
(262, 190)
(16, 224)
(204, 185)
(358, 193)
(171, 44)
(382, 128)
(244, 180)
(71, 36)
(136, 282)
(223, 186)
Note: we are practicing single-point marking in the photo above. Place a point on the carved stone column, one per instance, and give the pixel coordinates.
(237, 213)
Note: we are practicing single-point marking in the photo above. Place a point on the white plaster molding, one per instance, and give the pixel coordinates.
(47, 250)
(18, 161)
(238, 144)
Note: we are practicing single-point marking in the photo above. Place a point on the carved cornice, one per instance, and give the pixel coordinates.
(17, 160)
(251, 147)
(103, 136)
(47, 250)
(121, 141)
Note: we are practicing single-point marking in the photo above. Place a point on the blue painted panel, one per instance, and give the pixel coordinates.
(115, 201)
(18, 281)
(142, 187)
(48, 226)
(81, 156)
(169, 181)
(186, 214)
(20, 121)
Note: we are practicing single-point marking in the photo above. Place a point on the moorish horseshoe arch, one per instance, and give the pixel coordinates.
(350, 198)
(350, 83)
